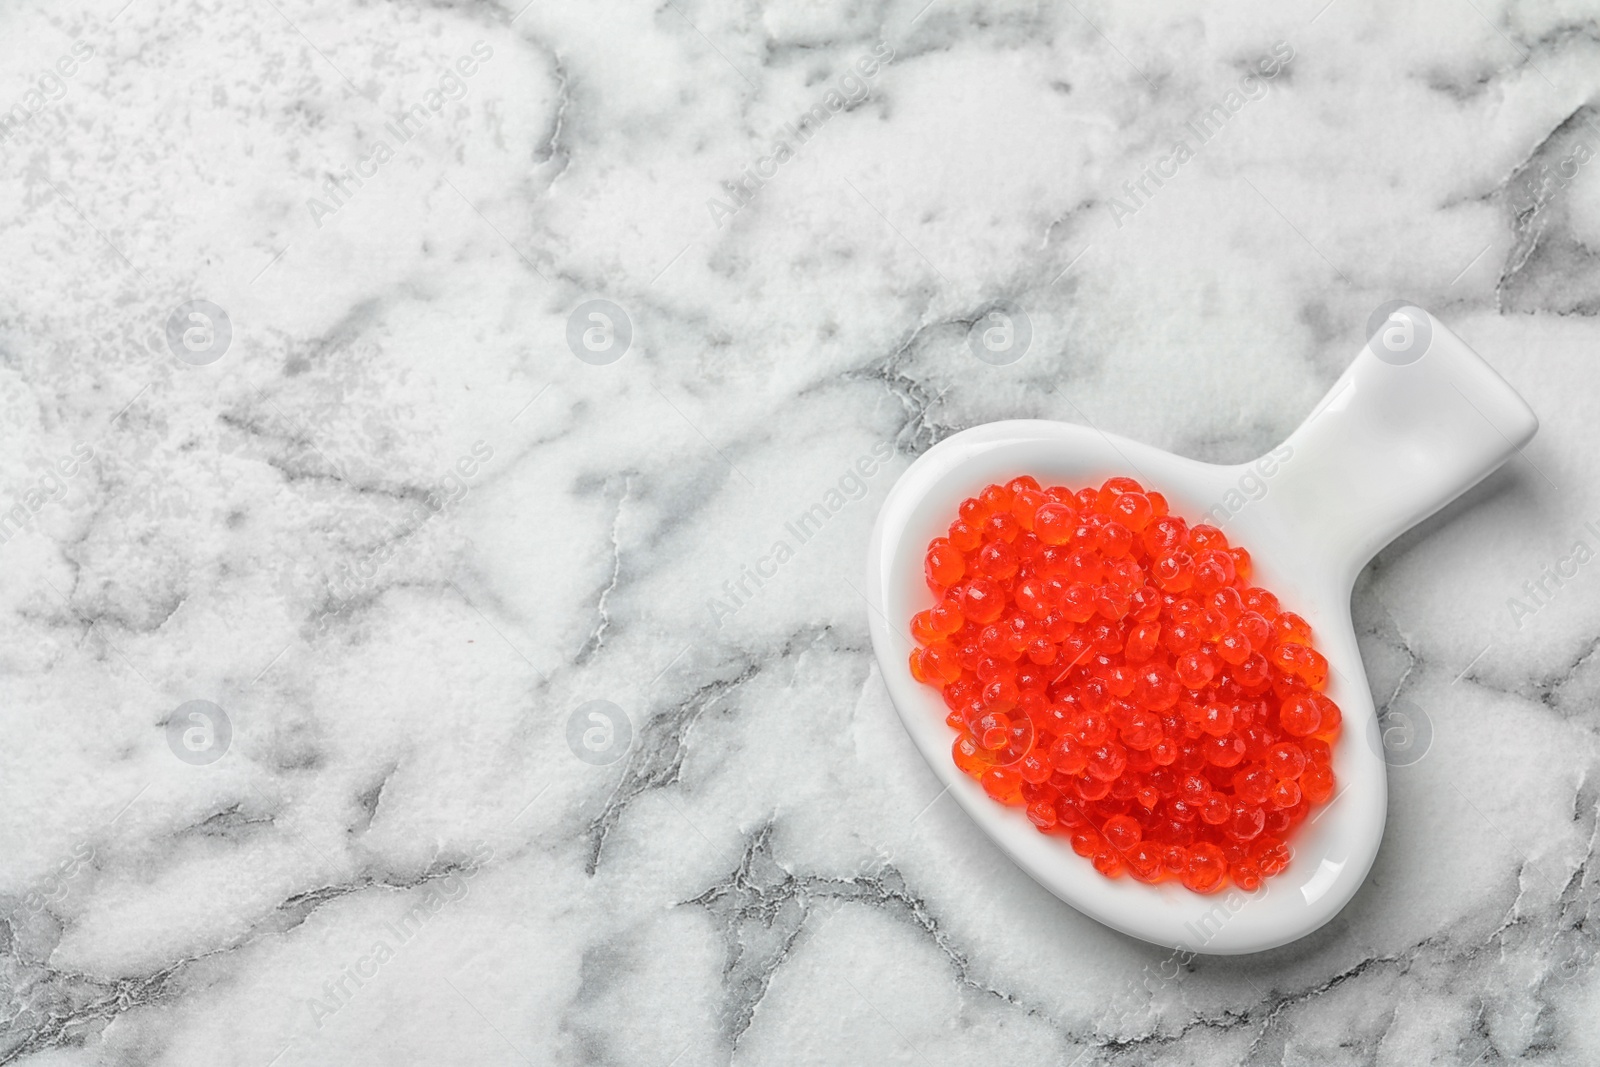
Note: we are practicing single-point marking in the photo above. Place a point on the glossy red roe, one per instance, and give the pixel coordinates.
(1109, 669)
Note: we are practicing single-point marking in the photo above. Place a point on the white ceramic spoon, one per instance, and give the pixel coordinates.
(1416, 420)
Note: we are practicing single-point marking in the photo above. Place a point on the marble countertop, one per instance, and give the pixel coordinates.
(398, 399)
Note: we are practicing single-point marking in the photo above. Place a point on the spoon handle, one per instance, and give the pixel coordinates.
(1414, 422)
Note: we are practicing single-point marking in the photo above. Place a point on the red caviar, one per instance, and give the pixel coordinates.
(1111, 670)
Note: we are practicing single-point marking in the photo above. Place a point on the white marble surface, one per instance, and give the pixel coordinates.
(768, 875)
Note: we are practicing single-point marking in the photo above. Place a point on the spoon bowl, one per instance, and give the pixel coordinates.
(1416, 420)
